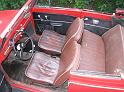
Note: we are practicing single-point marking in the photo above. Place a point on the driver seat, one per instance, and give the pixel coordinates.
(54, 70)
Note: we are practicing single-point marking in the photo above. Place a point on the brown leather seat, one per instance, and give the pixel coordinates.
(92, 52)
(103, 54)
(114, 48)
(53, 70)
(53, 42)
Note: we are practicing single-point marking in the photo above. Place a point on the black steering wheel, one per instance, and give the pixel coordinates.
(20, 48)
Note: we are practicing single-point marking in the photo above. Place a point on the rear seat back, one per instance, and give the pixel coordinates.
(114, 48)
(92, 55)
(69, 58)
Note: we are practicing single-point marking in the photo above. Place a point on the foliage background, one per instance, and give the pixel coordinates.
(11, 4)
(98, 5)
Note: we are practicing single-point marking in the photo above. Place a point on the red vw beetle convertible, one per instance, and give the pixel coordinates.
(54, 49)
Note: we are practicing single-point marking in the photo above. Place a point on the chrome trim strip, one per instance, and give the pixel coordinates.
(2, 80)
(95, 86)
(54, 21)
(92, 74)
(96, 26)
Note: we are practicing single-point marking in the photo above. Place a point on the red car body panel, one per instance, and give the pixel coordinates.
(74, 12)
(64, 11)
(20, 22)
(76, 83)
(31, 88)
(6, 17)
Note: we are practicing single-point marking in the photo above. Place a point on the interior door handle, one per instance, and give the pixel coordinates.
(56, 24)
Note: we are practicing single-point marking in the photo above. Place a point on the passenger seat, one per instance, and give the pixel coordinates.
(54, 42)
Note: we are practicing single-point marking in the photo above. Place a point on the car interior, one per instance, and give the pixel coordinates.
(61, 44)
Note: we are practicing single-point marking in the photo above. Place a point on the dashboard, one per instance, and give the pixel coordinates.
(7, 41)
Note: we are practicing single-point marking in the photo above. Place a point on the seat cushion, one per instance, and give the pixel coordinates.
(51, 41)
(114, 48)
(43, 68)
(92, 55)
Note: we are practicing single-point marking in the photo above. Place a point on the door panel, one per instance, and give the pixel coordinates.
(56, 22)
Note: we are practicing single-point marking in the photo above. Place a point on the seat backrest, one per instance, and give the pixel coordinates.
(114, 48)
(75, 30)
(69, 58)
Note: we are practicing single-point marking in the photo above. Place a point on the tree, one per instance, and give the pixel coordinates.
(98, 5)
(11, 4)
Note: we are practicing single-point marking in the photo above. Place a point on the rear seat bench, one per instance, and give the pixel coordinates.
(103, 54)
